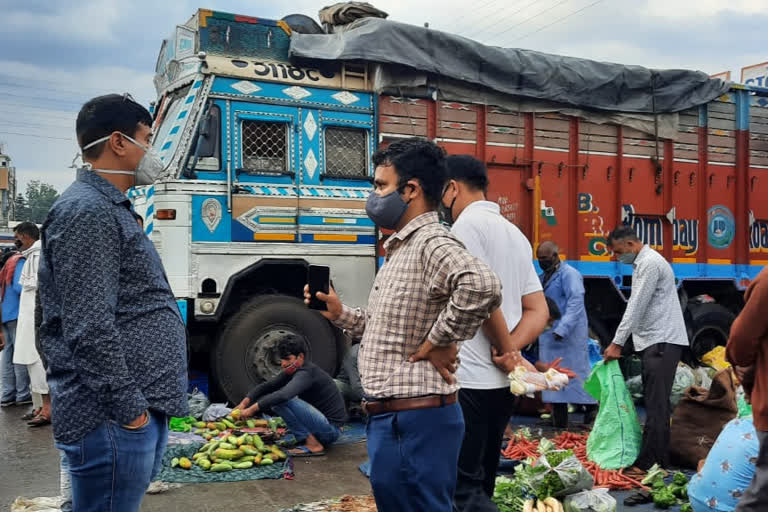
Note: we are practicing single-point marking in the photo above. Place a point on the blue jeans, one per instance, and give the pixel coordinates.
(303, 419)
(15, 376)
(65, 483)
(414, 457)
(112, 466)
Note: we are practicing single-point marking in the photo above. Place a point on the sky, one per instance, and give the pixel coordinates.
(55, 55)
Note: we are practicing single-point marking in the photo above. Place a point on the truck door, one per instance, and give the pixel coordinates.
(265, 156)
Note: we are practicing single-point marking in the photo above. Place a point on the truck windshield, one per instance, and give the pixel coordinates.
(167, 119)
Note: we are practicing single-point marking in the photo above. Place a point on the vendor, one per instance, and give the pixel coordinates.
(304, 395)
(729, 468)
(568, 338)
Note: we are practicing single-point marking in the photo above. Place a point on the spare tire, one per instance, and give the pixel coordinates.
(710, 327)
(245, 353)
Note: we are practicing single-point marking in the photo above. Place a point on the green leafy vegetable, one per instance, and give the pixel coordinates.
(664, 498)
(687, 507)
(508, 494)
(679, 479)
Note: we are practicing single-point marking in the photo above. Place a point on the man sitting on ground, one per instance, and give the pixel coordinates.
(348, 381)
(304, 395)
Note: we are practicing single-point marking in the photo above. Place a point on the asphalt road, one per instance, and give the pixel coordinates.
(30, 467)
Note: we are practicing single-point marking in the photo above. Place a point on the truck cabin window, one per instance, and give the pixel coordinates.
(345, 152)
(265, 147)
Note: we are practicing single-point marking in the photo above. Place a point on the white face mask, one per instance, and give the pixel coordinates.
(150, 166)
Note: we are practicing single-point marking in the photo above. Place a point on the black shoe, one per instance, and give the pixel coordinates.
(26, 401)
(7, 403)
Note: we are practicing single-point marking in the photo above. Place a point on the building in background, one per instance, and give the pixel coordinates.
(7, 189)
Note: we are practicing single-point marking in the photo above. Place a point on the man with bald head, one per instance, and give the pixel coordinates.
(567, 339)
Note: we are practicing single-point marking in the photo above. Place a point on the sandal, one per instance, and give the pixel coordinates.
(31, 415)
(39, 421)
(303, 451)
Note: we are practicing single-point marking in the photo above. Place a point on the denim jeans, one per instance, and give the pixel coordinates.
(414, 456)
(112, 466)
(65, 483)
(303, 419)
(15, 376)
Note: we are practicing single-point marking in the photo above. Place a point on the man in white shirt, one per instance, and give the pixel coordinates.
(485, 399)
(654, 319)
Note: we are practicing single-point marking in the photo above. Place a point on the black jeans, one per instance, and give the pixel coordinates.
(659, 367)
(486, 414)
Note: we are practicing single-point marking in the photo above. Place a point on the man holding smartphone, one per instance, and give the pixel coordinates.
(429, 295)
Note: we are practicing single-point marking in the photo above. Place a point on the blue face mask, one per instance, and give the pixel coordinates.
(386, 211)
(627, 257)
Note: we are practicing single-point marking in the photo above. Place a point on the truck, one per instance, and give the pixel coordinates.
(267, 128)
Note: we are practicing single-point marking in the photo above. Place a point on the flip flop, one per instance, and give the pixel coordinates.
(39, 421)
(31, 415)
(305, 452)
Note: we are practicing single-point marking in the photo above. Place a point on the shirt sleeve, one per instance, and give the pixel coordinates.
(472, 288)
(573, 286)
(301, 381)
(85, 263)
(751, 326)
(352, 320)
(644, 282)
(273, 384)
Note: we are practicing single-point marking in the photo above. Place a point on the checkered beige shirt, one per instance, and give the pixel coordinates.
(430, 288)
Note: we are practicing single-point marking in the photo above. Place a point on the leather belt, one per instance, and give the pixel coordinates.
(408, 404)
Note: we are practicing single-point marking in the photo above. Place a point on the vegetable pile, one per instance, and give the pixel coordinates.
(537, 482)
(522, 446)
(665, 496)
(228, 448)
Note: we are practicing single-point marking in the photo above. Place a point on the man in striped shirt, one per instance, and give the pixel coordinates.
(429, 295)
(654, 319)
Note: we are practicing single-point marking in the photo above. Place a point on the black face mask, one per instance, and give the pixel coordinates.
(446, 212)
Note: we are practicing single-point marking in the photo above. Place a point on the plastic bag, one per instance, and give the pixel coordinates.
(745, 409)
(570, 472)
(715, 358)
(216, 411)
(615, 439)
(635, 387)
(525, 382)
(683, 380)
(595, 352)
(590, 501)
(22, 504)
(701, 378)
(198, 403)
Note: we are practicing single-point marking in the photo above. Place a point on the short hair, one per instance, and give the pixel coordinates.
(28, 228)
(468, 170)
(554, 311)
(621, 233)
(290, 345)
(104, 115)
(419, 159)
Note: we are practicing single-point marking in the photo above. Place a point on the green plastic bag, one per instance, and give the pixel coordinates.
(616, 437)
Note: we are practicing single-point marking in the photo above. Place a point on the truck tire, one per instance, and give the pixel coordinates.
(710, 326)
(245, 353)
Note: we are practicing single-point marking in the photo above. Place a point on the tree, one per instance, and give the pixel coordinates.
(39, 199)
(20, 210)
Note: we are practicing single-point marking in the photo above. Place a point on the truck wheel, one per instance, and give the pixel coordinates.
(710, 325)
(245, 353)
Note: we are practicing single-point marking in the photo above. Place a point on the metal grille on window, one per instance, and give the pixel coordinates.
(265, 146)
(345, 152)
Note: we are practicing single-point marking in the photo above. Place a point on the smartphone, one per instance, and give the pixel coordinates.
(319, 279)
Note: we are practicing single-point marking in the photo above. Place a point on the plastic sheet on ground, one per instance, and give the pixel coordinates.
(597, 500)
(197, 475)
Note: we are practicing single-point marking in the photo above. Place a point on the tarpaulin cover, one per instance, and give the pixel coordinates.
(525, 73)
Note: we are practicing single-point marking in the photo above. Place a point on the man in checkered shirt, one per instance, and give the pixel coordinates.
(428, 296)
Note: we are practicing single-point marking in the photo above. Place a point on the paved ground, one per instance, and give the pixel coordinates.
(29, 466)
